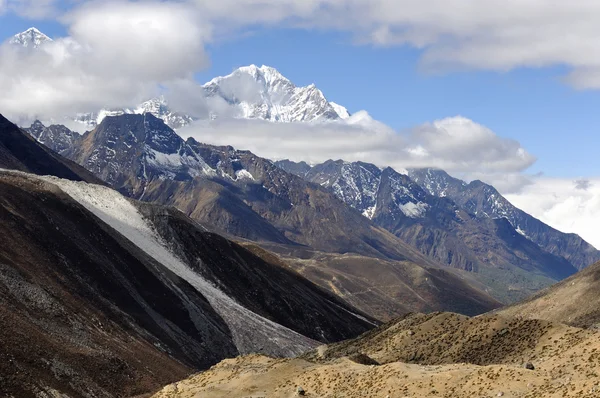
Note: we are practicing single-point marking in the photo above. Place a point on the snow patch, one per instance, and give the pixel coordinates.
(414, 210)
(520, 231)
(244, 174)
(370, 212)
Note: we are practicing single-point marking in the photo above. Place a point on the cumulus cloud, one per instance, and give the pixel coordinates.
(563, 205)
(117, 54)
(455, 144)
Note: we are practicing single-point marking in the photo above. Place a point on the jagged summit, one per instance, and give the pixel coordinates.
(264, 93)
(31, 37)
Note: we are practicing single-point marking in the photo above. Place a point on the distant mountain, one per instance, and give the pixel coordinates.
(249, 92)
(485, 201)
(264, 93)
(441, 228)
(31, 38)
(56, 137)
(156, 106)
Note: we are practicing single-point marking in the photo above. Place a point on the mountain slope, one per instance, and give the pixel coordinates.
(508, 263)
(476, 357)
(106, 296)
(98, 258)
(485, 201)
(387, 289)
(573, 301)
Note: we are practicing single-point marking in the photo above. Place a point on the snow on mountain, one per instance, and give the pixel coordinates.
(340, 110)
(251, 332)
(484, 201)
(366, 187)
(156, 106)
(251, 93)
(264, 93)
(31, 38)
(56, 137)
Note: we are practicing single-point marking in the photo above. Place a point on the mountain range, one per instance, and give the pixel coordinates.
(448, 226)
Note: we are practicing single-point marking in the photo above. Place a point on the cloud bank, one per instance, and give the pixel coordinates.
(455, 144)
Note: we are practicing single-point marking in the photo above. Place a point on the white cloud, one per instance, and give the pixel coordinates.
(562, 204)
(117, 54)
(454, 144)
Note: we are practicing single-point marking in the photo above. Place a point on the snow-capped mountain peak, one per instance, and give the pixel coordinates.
(32, 37)
(264, 93)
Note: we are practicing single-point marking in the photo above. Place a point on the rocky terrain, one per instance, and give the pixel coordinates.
(436, 355)
(19, 151)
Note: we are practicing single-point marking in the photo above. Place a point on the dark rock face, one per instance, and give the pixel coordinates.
(485, 201)
(56, 137)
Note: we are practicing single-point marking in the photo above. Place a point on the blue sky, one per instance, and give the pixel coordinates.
(552, 120)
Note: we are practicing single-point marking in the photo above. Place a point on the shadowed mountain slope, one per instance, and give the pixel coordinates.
(19, 151)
